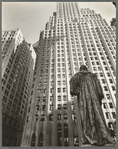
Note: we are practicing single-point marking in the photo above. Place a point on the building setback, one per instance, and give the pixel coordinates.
(72, 37)
(18, 60)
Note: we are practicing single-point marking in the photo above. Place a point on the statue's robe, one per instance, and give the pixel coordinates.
(86, 85)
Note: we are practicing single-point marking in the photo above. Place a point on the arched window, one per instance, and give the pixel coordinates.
(66, 138)
(33, 141)
(40, 139)
(59, 135)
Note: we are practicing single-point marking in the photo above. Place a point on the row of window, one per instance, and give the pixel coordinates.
(108, 115)
(59, 117)
(12, 123)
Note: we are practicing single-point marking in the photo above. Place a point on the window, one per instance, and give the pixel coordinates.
(59, 98)
(4, 99)
(40, 139)
(58, 64)
(108, 74)
(104, 63)
(51, 117)
(6, 92)
(7, 110)
(36, 118)
(51, 90)
(59, 82)
(29, 109)
(64, 106)
(111, 105)
(3, 81)
(64, 82)
(72, 107)
(59, 116)
(32, 85)
(105, 88)
(10, 81)
(33, 141)
(114, 114)
(64, 89)
(13, 90)
(43, 118)
(113, 88)
(31, 93)
(64, 98)
(15, 100)
(44, 106)
(37, 107)
(105, 106)
(101, 74)
(65, 130)
(73, 116)
(110, 80)
(7, 70)
(11, 96)
(106, 68)
(58, 75)
(59, 90)
(59, 106)
(51, 98)
(103, 81)
(66, 141)
(108, 96)
(5, 75)
(65, 117)
(51, 107)
(22, 106)
(107, 115)
(63, 75)
(76, 141)
(9, 103)
(59, 138)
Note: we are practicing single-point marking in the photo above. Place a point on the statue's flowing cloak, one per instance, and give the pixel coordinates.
(86, 85)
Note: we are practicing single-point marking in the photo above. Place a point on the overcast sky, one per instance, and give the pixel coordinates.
(31, 17)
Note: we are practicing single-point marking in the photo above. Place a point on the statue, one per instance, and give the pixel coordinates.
(86, 86)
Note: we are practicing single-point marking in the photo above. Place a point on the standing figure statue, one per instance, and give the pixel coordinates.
(86, 86)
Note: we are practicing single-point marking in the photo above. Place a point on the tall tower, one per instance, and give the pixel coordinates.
(18, 60)
(72, 37)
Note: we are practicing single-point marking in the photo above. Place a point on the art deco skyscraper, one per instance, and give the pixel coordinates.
(18, 60)
(72, 37)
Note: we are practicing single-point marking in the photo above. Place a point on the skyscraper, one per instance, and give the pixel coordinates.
(18, 60)
(72, 37)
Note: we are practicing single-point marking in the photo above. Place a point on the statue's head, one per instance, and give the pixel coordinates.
(83, 68)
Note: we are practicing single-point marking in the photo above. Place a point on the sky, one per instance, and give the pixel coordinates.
(31, 17)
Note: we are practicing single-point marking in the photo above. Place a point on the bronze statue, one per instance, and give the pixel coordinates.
(86, 86)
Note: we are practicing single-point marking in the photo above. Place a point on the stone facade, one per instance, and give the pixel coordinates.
(18, 60)
(72, 37)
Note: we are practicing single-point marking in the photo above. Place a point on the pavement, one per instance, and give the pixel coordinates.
(106, 145)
